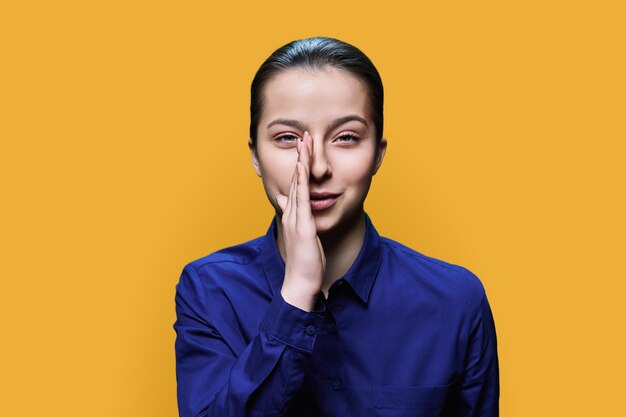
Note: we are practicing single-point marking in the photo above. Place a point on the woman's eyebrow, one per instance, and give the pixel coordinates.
(346, 119)
(335, 123)
(289, 122)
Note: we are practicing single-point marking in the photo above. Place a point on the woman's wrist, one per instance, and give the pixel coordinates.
(300, 297)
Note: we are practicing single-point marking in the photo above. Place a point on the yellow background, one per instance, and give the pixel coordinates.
(123, 157)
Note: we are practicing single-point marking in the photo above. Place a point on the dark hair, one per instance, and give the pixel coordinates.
(316, 53)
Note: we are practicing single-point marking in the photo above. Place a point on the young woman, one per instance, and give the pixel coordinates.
(322, 316)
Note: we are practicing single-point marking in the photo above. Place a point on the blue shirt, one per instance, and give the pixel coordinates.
(401, 334)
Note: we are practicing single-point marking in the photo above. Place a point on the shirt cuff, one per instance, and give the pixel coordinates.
(292, 325)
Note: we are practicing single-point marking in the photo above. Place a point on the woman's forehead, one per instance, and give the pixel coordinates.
(312, 93)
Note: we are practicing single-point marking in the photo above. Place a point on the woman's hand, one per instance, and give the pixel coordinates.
(305, 260)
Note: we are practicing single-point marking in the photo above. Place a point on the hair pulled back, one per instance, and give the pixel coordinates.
(317, 53)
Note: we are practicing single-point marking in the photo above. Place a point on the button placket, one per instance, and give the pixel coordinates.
(331, 328)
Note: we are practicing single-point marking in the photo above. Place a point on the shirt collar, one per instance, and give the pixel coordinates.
(360, 276)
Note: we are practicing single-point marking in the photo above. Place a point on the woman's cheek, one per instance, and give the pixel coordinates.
(355, 168)
(281, 177)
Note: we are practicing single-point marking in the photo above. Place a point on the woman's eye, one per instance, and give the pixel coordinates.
(287, 138)
(347, 138)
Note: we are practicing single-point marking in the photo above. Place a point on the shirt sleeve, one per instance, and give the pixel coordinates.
(480, 390)
(213, 380)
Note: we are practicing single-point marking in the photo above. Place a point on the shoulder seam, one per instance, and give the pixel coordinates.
(199, 263)
(413, 252)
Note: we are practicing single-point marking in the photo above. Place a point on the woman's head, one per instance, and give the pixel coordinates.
(310, 86)
(316, 54)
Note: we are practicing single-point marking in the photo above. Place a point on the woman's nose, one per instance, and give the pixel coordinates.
(320, 165)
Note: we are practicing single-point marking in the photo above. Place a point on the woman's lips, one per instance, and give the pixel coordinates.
(322, 201)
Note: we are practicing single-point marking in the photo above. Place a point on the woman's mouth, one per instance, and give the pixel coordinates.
(322, 201)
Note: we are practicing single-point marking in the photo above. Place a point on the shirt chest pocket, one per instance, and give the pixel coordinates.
(410, 400)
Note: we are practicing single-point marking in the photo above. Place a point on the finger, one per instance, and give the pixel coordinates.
(293, 197)
(299, 146)
(290, 197)
(321, 248)
(304, 205)
(302, 148)
(305, 154)
(310, 148)
(302, 153)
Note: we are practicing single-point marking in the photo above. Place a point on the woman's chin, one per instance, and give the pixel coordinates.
(324, 222)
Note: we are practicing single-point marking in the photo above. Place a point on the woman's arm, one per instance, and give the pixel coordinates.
(261, 380)
(480, 391)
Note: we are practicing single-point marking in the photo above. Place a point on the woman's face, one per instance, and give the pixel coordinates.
(333, 106)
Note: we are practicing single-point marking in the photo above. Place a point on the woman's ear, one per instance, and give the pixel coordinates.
(255, 158)
(380, 154)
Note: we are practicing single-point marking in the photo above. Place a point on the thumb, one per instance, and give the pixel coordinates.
(281, 200)
(323, 255)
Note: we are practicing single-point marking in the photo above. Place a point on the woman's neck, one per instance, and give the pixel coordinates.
(341, 247)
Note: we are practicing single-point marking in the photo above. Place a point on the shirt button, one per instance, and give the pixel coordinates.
(337, 385)
(332, 328)
(310, 330)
